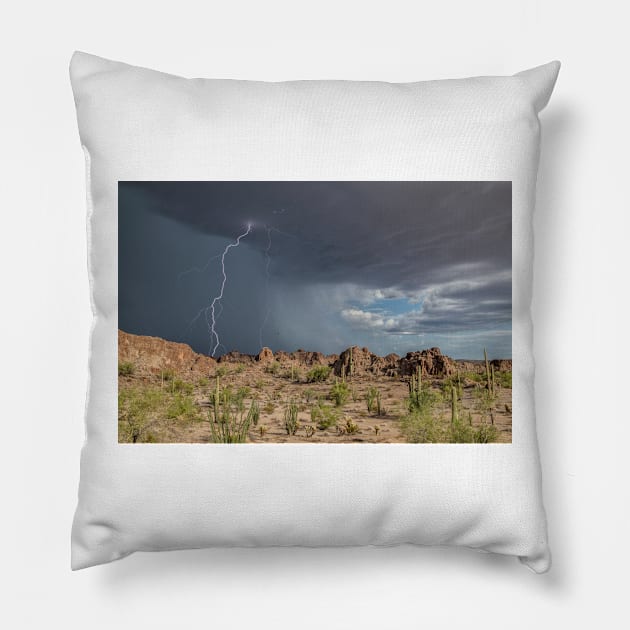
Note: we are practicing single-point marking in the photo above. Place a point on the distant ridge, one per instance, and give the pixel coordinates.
(154, 355)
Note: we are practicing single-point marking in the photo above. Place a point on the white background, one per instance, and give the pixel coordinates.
(580, 314)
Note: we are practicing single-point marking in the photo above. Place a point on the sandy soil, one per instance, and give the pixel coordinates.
(273, 391)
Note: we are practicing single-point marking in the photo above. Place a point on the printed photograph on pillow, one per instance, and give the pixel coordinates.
(315, 311)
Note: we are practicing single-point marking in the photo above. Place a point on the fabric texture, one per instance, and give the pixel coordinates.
(138, 124)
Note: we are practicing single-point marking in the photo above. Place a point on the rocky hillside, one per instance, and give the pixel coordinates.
(152, 355)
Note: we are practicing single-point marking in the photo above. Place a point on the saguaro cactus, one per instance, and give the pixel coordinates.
(488, 381)
(454, 417)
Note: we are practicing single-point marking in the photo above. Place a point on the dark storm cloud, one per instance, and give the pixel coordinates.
(445, 246)
(377, 232)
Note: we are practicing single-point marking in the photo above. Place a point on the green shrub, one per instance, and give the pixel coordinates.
(318, 374)
(448, 384)
(324, 417)
(421, 426)
(126, 368)
(485, 434)
(181, 406)
(373, 401)
(485, 402)
(291, 423)
(474, 376)
(178, 385)
(167, 375)
(423, 399)
(138, 411)
(370, 399)
(228, 417)
(504, 379)
(339, 393)
(460, 433)
(273, 368)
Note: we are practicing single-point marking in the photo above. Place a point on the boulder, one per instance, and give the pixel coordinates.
(502, 365)
(265, 355)
(432, 363)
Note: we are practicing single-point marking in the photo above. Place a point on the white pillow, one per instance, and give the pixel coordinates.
(139, 125)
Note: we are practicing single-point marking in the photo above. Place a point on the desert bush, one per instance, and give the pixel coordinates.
(323, 416)
(269, 408)
(181, 406)
(167, 375)
(126, 368)
(177, 385)
(291, 423)
(460, 433)
(351, 427)
(242, 392)
(254, 411)
(309, 430)
(370, 399)
(423, 398)
(422, 426)
(138, 411)
(373, 401)
(203, 382)
(485, 434)
(273, 368)
(448, 384)
(228, 417)
(504, 379)
(221, 371)
(339, 393)
(477, 377)
(464, 433)
(293, 374)
(318, 374)
(240, 368)
(485, 402)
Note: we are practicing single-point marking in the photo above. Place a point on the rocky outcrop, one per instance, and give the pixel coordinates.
(478, 367)
(502, 365)
(265, 355)
(236, 357)
(302, 357)
(154, 355)
(357, 361)
(431, 361)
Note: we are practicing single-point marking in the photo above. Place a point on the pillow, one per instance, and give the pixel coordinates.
(311, 313)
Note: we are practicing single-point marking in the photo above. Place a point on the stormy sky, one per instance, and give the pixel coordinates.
(395, 266)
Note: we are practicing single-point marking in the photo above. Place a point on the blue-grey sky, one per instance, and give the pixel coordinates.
(395, 266)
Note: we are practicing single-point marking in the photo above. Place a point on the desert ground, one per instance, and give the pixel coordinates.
(168, 394)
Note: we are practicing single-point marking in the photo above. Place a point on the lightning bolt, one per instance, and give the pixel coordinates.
(218, 298)
(210, 312)
(213, 312)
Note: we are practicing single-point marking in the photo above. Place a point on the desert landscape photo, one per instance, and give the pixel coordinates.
(314, 312)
